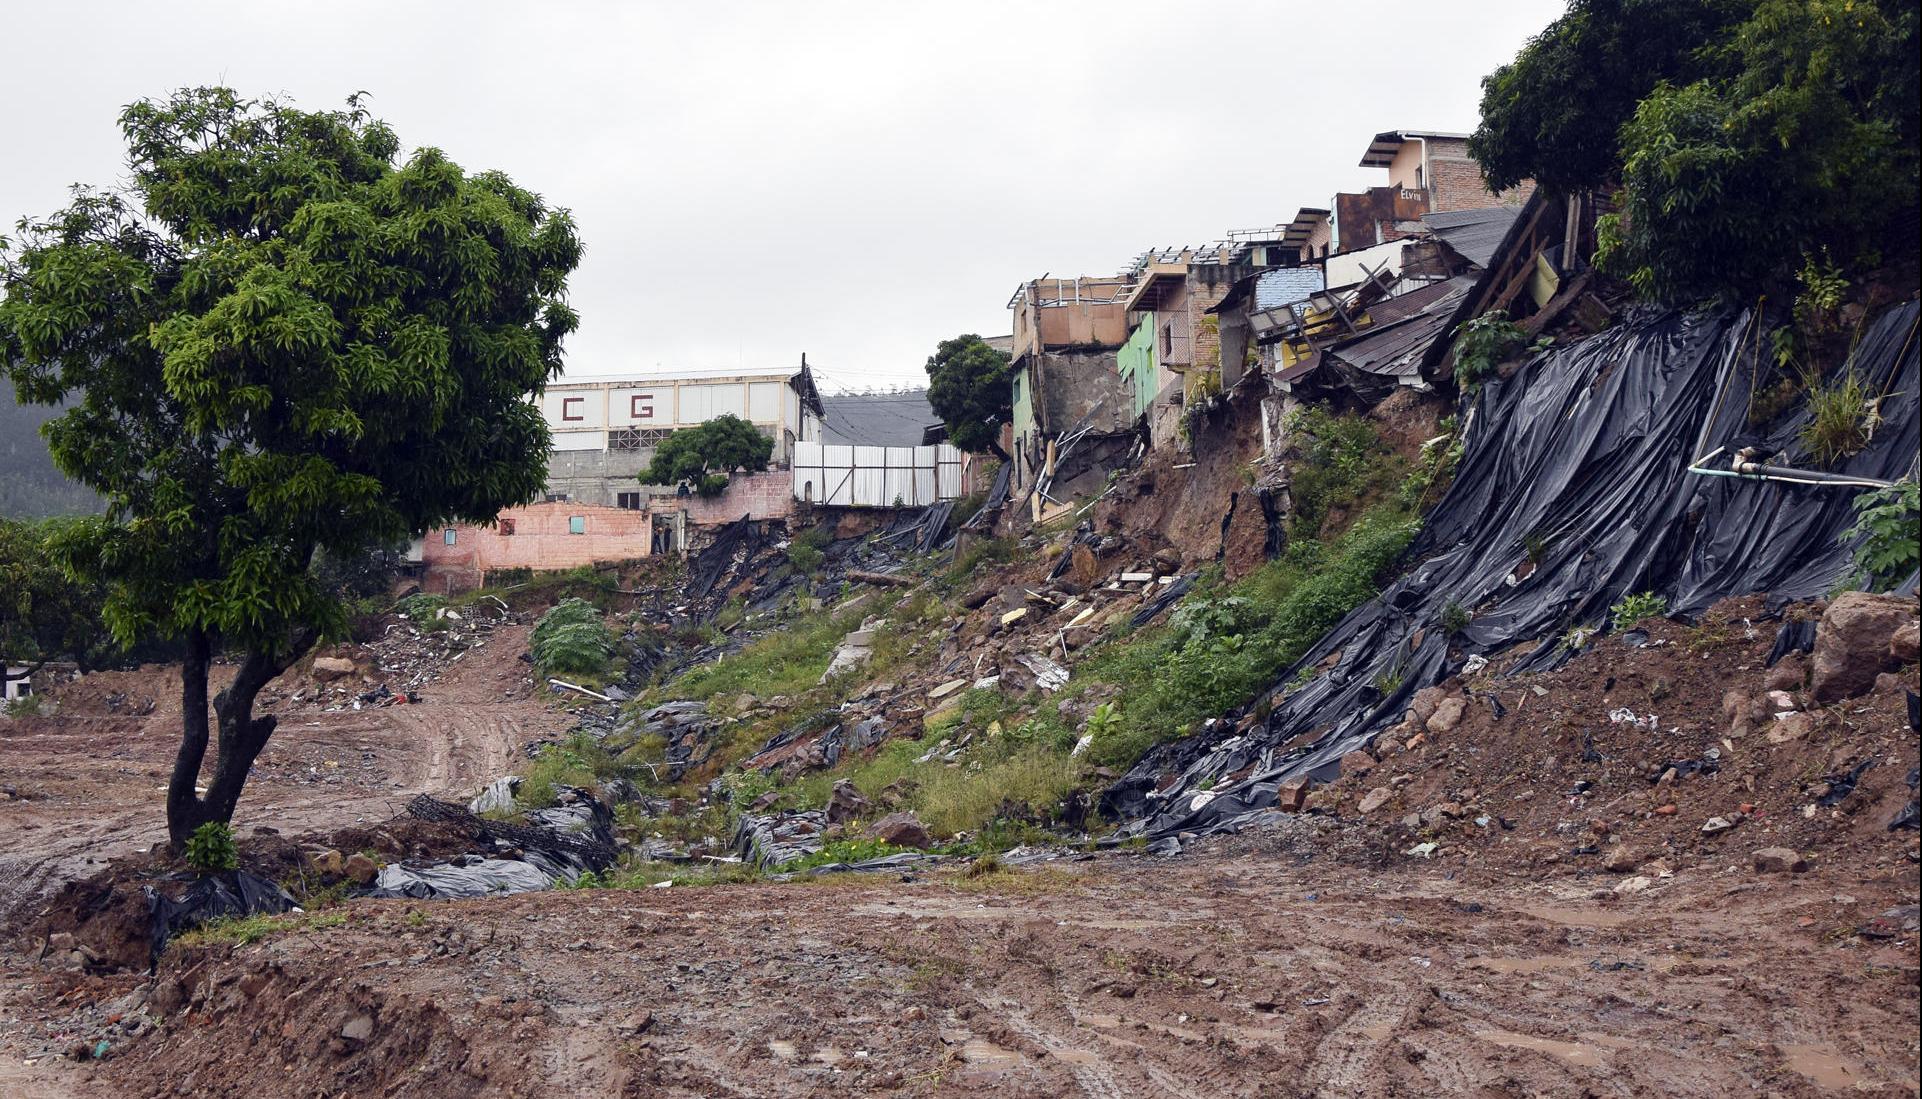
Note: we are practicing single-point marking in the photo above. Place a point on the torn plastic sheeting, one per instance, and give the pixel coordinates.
(1793, 637)
(216, 896)
(448, 881)
(1586, 449)
(497, 798)
(558, 845)
(900, 860)
(1168, 597)
(775, 840)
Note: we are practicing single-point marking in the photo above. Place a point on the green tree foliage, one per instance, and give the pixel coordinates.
(45, 614)
(1886, 524)
(278, 340)
(1730, 183)
(970, 387)
(1553, 113)
(704, 456)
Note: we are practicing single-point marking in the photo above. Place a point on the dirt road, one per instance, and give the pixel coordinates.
(1238, 971)
(90, 782)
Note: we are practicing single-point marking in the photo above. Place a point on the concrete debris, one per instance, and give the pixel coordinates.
(1779, 860)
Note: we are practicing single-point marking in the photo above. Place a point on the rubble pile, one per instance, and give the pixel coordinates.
(1017, 631)
(401, 665)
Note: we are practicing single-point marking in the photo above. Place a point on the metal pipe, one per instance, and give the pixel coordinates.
(1752, 471)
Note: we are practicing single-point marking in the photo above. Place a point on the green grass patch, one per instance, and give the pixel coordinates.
(1341, 465)
(242, 930)
(1838, 419)
(578, 762)
(1225, 644)
(786, 662)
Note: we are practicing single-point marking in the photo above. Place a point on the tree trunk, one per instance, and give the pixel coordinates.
(242, 737)
(995, 446)
(183, 805)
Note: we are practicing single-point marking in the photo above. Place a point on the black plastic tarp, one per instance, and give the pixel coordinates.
(215, 896)
(1581, 455)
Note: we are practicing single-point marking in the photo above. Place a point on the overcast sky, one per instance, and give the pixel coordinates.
(856, 181)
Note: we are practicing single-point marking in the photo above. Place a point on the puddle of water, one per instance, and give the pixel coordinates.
(1823, 1065)
(980, 1051)
(1580, 917)
(1077, 1056)
(1579, 1054)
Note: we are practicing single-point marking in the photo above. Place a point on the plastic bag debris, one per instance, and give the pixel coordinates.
(215, 896)
(1793, 637)
(497, 798)
(473, 878)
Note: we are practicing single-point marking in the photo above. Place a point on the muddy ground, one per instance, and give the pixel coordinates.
(1310, 955)
(1251, 967)
(89, 782)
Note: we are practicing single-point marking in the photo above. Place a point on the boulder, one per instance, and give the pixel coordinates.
(1083, 567)
(328, 861)
(1376, 798)
(1357, 762)
(361, 869)
(1905, 644)
(1853, 643)
(902, 829)
(1447, 715)
(1621, 858)
(1292, 797)
(329, 668)
(1791, 673)
(1793, 727)
(1779, 860)
(1423, 705)
(846, 803)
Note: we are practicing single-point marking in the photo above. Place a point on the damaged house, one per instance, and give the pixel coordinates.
(1068, 394)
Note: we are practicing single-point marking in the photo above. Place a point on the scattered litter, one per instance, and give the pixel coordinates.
(1625, 716)
(1423, 850)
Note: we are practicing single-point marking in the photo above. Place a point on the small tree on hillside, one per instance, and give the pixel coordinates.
(45, 615)
(970, 387)
(279, 342)
(704, 456)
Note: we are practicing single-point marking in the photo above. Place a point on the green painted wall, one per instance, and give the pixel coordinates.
(1139, 361)
(1023, 406)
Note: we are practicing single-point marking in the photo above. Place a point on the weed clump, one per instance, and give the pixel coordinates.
(572, 641)
(211, 849)
(1635, 608)
(1839, 419)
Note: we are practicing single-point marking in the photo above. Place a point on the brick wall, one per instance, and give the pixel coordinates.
(767, 495)
(540, 539)
(1455, 180)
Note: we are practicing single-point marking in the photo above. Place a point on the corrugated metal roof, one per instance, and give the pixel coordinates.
(1395, 344)
(876, 419)
(1474, 234)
